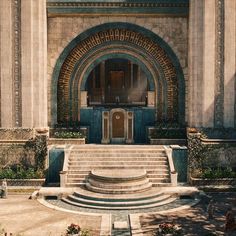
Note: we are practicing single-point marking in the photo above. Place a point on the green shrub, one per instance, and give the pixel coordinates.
(217, 173)
(38, 146)
(20, 173)
(68, 134)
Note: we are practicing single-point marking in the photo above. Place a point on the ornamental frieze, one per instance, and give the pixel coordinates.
(122, 36)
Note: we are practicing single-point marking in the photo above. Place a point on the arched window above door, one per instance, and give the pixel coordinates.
(117, 82)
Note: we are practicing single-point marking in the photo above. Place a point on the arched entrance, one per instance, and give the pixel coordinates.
(74, 92)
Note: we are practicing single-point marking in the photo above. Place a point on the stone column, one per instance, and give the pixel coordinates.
(208, 88)
(102, 80)
(195, 63)
(105, 127)
(131, 75)
(6, 62)
(34, 59)
(230, 64)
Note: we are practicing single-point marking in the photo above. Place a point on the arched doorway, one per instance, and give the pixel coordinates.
(78, 98)
(117, 82)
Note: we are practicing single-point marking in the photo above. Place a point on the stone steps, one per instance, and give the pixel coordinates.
(121, 207)
(142, 165)
(114, 158)
(82, 183)
(152, 158)
(117, 162)
(122, 189)
(79, 181)
(122, 151)
(115, 146)
(120, 181)
(148, 199)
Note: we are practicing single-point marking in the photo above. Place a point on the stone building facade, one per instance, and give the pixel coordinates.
(49, 49)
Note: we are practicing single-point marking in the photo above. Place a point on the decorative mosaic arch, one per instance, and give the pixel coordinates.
(118, 40)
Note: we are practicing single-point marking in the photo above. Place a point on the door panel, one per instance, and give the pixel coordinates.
(118, 129)
(117, 79)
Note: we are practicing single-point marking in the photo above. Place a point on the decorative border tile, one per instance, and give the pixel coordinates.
(219, 65)
(17, 106)
(167, 7)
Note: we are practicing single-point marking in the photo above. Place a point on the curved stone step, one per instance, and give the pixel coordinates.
(86, 194)
(124, 203)
(120, 185)
(121, 207)
(135, 189)
(117, 181)
(117, 175)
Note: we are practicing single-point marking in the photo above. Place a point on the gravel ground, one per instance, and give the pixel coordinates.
(194, 221)
(23, 217)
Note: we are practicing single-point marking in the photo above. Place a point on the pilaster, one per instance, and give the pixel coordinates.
(34, 57)
(195, 94)
(230, 64)
(209, 63)
(6, 62)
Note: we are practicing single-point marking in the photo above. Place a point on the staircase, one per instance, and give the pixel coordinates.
(118, 189)
(83, 159)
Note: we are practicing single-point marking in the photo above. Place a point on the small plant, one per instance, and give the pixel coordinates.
(217, 173)
(85, 232)
(19, 172)
(73, 229)
(168, 228)
(68, 134)
(2, 231)
(169, 130)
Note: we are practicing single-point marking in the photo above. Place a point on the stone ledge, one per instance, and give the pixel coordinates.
(57, 141)
(24, 182)
(167, 141)
(212, 182)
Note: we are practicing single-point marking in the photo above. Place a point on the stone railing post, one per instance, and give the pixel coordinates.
(173, 173)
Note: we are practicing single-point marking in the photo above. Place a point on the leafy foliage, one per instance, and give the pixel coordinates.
(76, 229)
(169, 228)
(169, 131)
(29, 161)
(73, 229)
(39, 147)
(197, 153)
(205, 160)
(217, 173)
(20, 173)
(68, 134)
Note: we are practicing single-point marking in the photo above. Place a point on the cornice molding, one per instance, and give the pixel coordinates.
(169, 7)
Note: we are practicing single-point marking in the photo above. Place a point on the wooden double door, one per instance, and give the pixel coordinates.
(117, 126)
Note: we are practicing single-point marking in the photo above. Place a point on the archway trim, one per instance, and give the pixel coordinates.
(137, 35)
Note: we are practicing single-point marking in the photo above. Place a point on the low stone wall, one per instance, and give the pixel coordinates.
(209, 154)
(55, 165)
(24, 182)
(180, 160)
(16, 134)
(168, 141)
(57, 141)
(209, 182)
(14, 152)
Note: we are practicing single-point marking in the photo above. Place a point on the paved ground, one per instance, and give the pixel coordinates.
(21, 216)
(193, 221)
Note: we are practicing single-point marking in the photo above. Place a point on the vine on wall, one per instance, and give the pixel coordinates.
(210, 160)
(24, 161)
